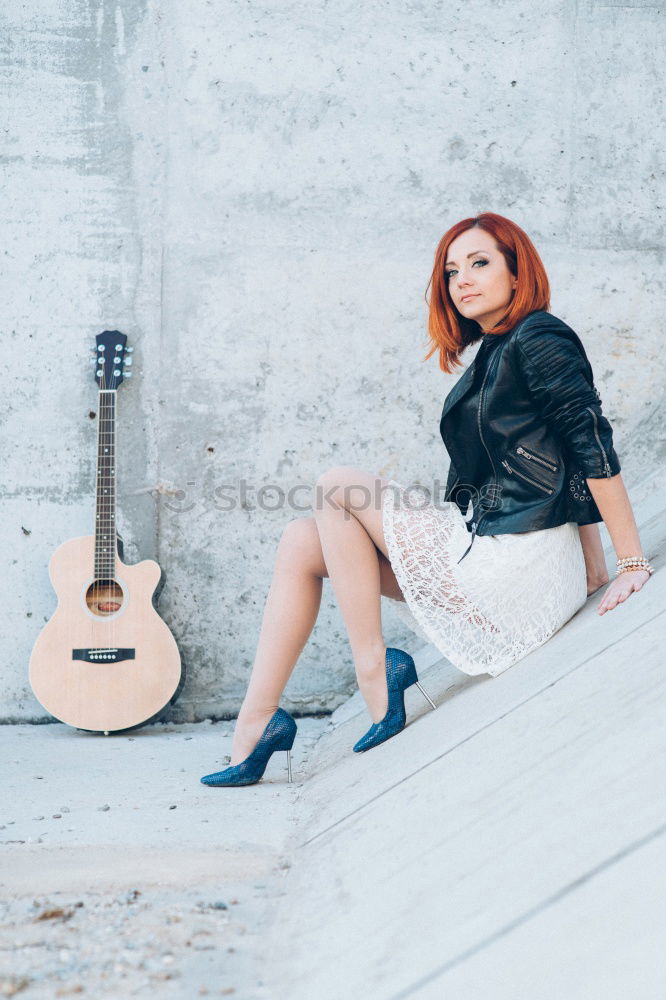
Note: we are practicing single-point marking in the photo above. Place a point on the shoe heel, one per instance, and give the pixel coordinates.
(425, 694)
(410, 677)
(289, 777)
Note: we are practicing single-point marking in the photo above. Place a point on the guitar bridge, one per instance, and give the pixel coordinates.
(103, 655)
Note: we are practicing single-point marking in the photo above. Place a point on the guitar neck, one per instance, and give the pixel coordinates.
(105, 507)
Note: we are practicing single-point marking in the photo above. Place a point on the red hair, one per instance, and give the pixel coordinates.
(451, 333)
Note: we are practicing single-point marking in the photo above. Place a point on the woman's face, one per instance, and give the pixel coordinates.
(480, 284)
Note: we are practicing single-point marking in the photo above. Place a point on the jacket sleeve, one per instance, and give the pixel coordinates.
(559, 378)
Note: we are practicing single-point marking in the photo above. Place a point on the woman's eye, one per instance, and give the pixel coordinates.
(480, 260)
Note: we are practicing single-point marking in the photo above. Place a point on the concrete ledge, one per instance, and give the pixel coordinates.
(507, 844)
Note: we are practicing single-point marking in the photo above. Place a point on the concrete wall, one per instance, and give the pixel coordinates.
(253, 192)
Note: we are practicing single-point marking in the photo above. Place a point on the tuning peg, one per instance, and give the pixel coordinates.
(130, 349)
(128, 374)
(127, 361)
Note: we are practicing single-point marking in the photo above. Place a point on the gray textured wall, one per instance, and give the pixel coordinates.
(253, 192)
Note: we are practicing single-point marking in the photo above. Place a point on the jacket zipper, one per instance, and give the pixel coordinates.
(475, 524)
(607, 468)
(533, 457)
(535, 482)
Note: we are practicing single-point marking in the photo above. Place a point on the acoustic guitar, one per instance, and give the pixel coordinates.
(105, 661)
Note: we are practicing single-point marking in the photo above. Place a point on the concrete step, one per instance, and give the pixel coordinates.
(509, 843)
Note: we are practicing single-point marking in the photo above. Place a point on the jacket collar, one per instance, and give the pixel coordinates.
(466, 380)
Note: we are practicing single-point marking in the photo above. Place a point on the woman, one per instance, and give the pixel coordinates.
(531, 452)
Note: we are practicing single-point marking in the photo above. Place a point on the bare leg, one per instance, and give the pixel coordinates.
(289, 616)
(348, 513)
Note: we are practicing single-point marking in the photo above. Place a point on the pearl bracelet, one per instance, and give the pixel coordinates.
(630, 563)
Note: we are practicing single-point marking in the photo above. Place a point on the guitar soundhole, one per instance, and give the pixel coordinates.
(104, 598)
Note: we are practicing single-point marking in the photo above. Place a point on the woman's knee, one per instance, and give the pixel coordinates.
(338, 475)
(301, 546)
(337, 484)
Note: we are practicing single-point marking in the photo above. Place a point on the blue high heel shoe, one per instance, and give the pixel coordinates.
(278, 735)
(400, 674)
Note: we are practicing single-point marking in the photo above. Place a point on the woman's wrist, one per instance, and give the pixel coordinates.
(633, 564)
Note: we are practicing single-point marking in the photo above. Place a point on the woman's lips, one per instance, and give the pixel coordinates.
(466, 297)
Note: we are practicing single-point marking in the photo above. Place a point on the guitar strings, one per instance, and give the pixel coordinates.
(108, 526)
(98, 504)
(105, 529)
(111, 534)
(99, 513)
(105, 539)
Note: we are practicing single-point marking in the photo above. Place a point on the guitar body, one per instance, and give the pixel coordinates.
(105, 661)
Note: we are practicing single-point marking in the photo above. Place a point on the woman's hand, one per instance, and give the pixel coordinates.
(621, 588)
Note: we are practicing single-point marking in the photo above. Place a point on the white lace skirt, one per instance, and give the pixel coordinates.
(508, 595)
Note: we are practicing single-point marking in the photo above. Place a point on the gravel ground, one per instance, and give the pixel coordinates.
(172, 942)
(121, 875)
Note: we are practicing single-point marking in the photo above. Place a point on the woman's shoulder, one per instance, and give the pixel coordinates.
(540, 325)
(540, 321)
(546, 340)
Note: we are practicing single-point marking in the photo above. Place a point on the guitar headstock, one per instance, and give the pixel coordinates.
(111, 363)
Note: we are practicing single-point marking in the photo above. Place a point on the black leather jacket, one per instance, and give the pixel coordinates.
(540, 421)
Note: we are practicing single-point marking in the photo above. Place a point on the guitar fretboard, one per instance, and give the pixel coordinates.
(105, 508)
